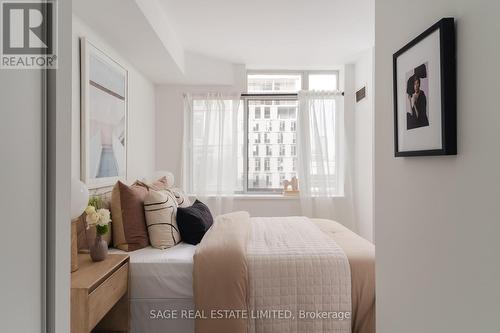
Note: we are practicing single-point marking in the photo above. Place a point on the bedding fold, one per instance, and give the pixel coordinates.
(220, 274)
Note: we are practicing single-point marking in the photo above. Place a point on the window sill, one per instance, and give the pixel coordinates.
(255, 197)
(265, 197)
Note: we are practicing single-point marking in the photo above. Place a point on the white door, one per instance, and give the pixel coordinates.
(21, 202)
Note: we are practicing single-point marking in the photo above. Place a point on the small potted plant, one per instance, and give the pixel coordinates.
(99, 218)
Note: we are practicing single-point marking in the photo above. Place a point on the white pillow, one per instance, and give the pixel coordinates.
(181, 197)
(160, 208)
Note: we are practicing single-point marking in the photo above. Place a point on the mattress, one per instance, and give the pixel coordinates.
(161, 274)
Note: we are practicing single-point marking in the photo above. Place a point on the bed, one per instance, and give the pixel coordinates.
(161, 283)
(161, 288)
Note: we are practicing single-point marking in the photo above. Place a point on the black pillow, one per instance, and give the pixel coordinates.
(193, 222)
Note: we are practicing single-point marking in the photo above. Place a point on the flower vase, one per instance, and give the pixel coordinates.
(99, 250)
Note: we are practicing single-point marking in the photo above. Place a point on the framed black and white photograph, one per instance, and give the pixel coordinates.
(103, 117)
(425, 93)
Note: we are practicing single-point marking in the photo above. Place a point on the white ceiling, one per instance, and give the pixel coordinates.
(208, 41)
(274, 33)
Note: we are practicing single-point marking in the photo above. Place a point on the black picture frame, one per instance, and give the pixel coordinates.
(446, 27)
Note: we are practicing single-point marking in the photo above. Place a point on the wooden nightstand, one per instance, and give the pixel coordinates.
(99, 295)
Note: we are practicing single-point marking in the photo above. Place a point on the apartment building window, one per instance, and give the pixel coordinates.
(280, 164)
(256, 182)
(257, 138)
(269, 182)
(282, 126)
(267, 164)
(267, 112)
(256, 150)
(282, 150)
(269, 126)
(267, 138)
(257, 164)
(257, 113)
(269, 151)
(282, 178)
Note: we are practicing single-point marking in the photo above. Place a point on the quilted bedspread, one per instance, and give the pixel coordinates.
(298, 278)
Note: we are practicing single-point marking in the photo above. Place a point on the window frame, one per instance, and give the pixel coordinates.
(304, 74)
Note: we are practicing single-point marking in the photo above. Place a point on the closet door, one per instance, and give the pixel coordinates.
(21, 200)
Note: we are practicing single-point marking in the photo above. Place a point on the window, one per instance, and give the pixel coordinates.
(257, 164)
(267, 138)
(280, 137)
(257, 113)
(269, 182)
(267, 112)
(257, 137)
(267, 164)
(216, 129)
(282, 126)
(269, 126)
(264, 83)
(282, 178)
(269, 151)
(267, 142)
(282, 150)
(256, 150)
(280, 164)
(256, 182)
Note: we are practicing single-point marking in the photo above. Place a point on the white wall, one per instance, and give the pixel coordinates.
(141, 109)
(363, 146)
(437, 219)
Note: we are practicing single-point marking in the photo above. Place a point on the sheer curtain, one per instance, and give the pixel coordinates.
(322, 155)
(212, 130)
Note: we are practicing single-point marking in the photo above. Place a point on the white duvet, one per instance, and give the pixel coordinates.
(296, 271)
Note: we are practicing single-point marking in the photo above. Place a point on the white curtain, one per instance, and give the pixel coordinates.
(212, 130)
(322, 156)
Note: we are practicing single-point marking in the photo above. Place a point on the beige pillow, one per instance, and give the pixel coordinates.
(160, 184)
(181, 197)
(160, 208)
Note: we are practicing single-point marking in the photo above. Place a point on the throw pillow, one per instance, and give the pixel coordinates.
(194, 222)
(160, 208)
(127, 213)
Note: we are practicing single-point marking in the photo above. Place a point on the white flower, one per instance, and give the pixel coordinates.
(89, 210)
(104, 217)
(92, 218)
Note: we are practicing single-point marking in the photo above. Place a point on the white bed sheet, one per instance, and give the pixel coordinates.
(161, 274)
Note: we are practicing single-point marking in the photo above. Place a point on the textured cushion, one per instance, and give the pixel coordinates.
(194, 222)
(160, 184)
(160, 208)
(181, 197)
(127, 213)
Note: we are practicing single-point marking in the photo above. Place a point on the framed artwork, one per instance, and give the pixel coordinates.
(103, 117)
(425, 121)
